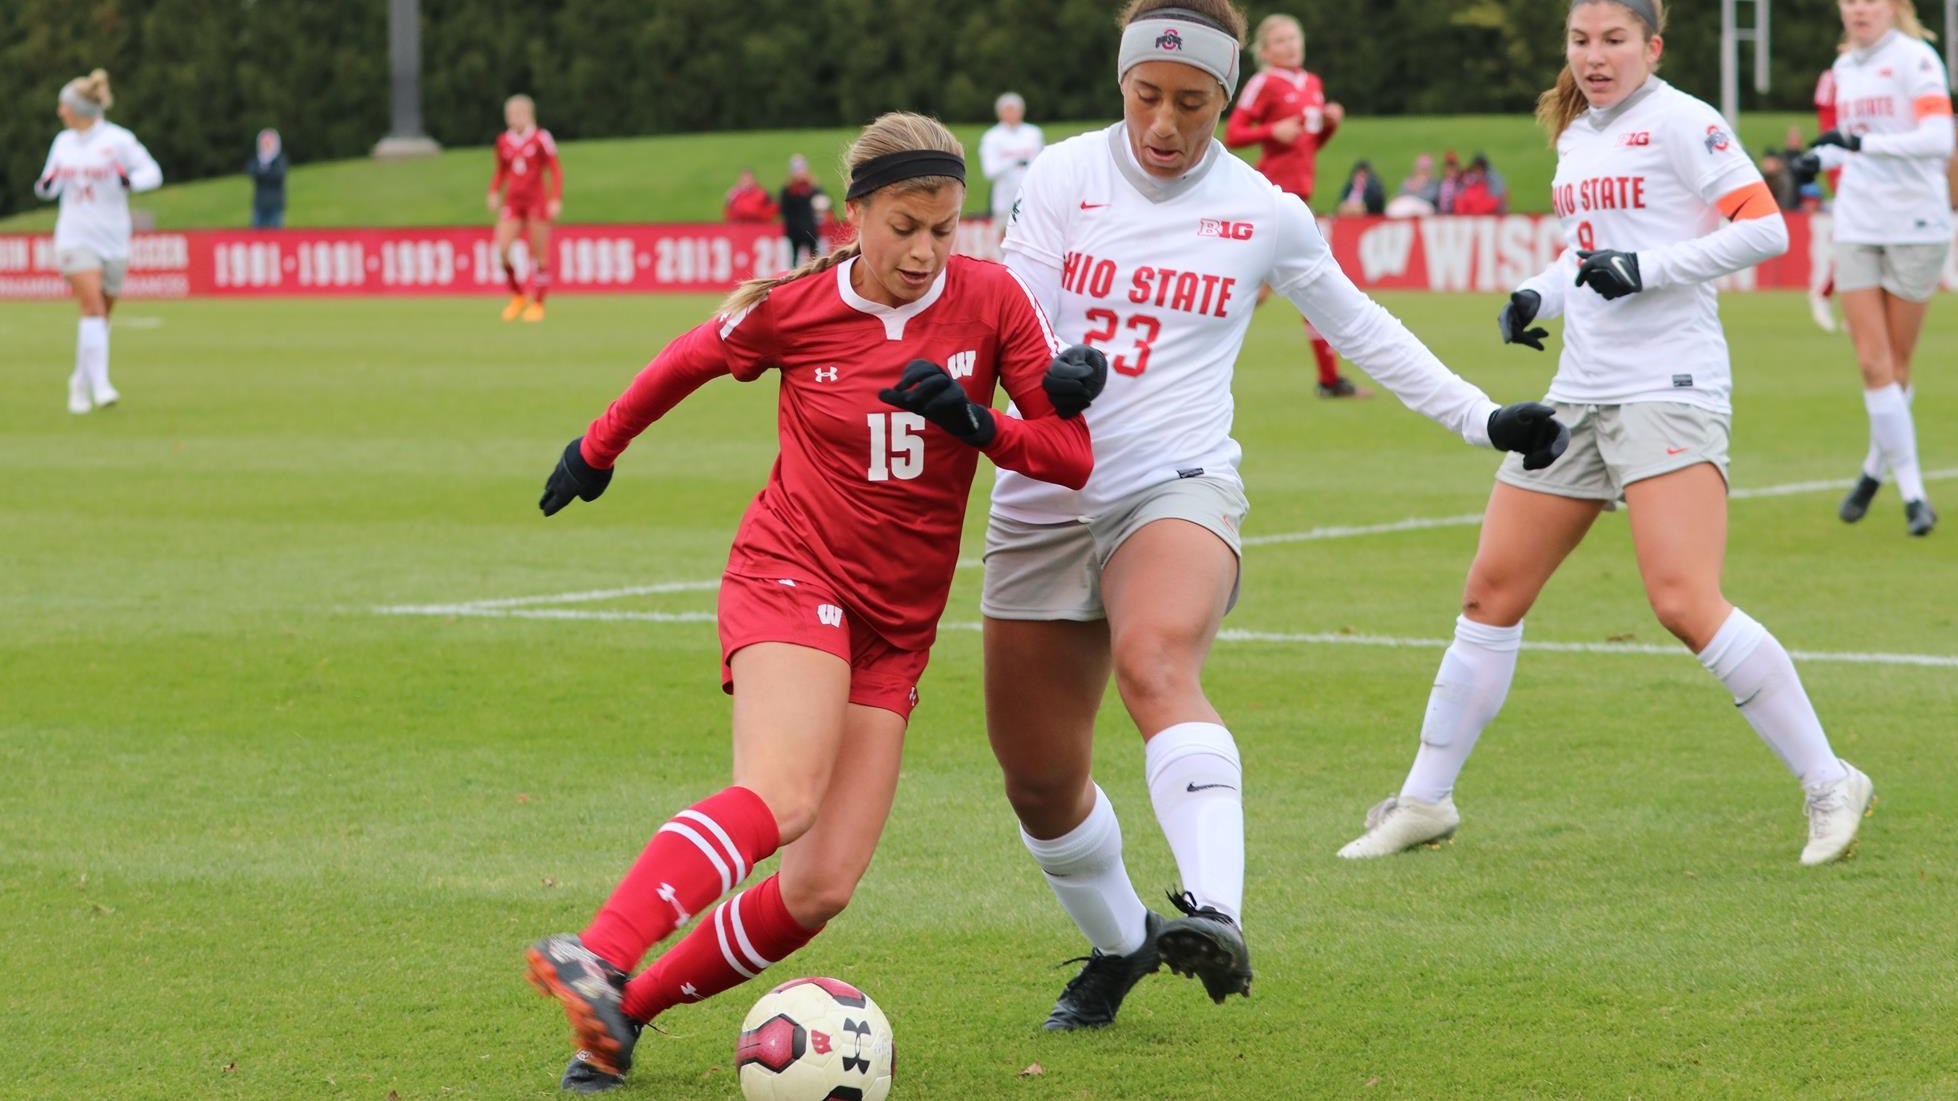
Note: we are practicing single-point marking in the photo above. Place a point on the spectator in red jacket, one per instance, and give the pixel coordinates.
(1481, 190)
(748, 200)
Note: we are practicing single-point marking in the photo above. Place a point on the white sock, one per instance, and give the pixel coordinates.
(92, 353)
(1896, 434)
(1469, 691)
(1769, 693)
(1084, 867)
(1197, 785)
(1873, 462)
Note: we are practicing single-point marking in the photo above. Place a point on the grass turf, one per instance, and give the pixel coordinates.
(258, 841)
(682, 178)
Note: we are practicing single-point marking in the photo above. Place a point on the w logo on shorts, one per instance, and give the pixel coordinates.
(961, 364)
(829, 615)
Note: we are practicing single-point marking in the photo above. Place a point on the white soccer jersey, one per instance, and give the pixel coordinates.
(1657, 175)
(1894, 192)
(1004, 155)
(1163, 276)
(86, 169)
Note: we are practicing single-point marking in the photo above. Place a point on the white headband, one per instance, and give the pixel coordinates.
(79, 103)
(1160, 36)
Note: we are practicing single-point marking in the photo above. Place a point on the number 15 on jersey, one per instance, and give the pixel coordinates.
(897, 446)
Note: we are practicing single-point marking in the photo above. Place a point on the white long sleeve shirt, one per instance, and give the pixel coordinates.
(1895, 97)
(1005, 153)
(1163, 276)
(1658, 175)
(87, 170)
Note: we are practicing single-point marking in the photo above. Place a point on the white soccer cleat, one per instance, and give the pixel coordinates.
(1823, 313)
(1835, 812)
(78, 402)
(106, 396)
(1395, 825)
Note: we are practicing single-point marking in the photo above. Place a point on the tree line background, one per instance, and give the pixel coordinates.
(196, 79)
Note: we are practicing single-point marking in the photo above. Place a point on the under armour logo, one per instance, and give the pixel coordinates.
(961, 364)
(672, 898)
(860, 1030)
(828, 374)
(829, 615)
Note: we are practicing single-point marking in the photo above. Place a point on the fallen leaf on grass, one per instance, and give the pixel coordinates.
(1033, 1070)
(101, 909)
(1626, 637)
(549, 882)
(523, 798)
(82, 883)
(229, 1067)
(1372, 1082)
(393, 1096)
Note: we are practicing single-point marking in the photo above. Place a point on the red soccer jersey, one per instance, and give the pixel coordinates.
(521, 159)
(1270, 96)
(868, 499)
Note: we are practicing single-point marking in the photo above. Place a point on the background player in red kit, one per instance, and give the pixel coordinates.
(1284, 110)
(837, 578)
(524, 153)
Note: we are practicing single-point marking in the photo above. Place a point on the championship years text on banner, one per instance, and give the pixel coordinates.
(1478, 254)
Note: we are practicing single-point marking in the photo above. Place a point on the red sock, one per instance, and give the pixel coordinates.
(1323, 353)
(739, 940)
(510, 277)
(540, 282)
(699, 855)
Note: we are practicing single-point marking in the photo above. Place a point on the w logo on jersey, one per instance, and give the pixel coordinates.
(961, 364)
(829, 615)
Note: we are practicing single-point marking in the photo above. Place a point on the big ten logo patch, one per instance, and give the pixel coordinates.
(1229, 231)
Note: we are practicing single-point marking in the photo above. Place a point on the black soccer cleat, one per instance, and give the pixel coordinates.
(592, 993)
(1855, 506)
(583, 1076)
(1092, 997)
(1920, 517)
(1341, 387)
(1208, 945)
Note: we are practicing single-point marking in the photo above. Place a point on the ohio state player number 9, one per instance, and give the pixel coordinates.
(897, 450)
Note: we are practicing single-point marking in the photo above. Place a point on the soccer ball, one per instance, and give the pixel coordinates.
(815, 1040)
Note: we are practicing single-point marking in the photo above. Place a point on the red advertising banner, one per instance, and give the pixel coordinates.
(1478, 254)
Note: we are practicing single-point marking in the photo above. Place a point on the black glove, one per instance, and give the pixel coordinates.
(1851, 142)
(1074, 380)
(1611, 273)
(1532, 430)
(574, 477)
(1804, 167)
(1520, 311)
(929, 392)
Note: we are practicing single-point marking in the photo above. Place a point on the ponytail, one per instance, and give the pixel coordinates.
(96, 87)
(1558, 107)
(749, 294)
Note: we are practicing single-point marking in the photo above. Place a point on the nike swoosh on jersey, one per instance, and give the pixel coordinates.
(1092, 206)
(1195, 787)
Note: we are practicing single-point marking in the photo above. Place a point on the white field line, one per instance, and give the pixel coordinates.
(541, 607)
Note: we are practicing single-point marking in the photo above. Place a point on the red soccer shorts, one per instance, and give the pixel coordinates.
(526, 211)
(806, 613)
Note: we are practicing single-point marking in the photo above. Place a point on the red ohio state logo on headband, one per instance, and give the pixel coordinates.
(1169, 40)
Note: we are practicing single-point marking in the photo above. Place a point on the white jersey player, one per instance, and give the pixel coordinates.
(1656, 200)
(1005, 153)
(1892, 140)
(1150, 241)
(92, 167)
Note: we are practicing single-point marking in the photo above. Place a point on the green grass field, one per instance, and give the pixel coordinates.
(682, 178)
(259, 841)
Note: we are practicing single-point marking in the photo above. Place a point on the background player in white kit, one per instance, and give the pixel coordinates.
(1150, 241)
(92, 167)
(1646, 175)
(1005, 151)
(1892, 226)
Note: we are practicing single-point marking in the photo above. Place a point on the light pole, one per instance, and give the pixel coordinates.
(405, 138)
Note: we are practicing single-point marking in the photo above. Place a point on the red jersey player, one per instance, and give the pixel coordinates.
(1284, 110)
(837, 577)
(524, 153)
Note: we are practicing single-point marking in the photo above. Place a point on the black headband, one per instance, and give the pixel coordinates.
(1647, 14)
(881, 172)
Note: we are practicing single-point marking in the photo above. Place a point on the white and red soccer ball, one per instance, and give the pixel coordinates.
(815, 1040)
